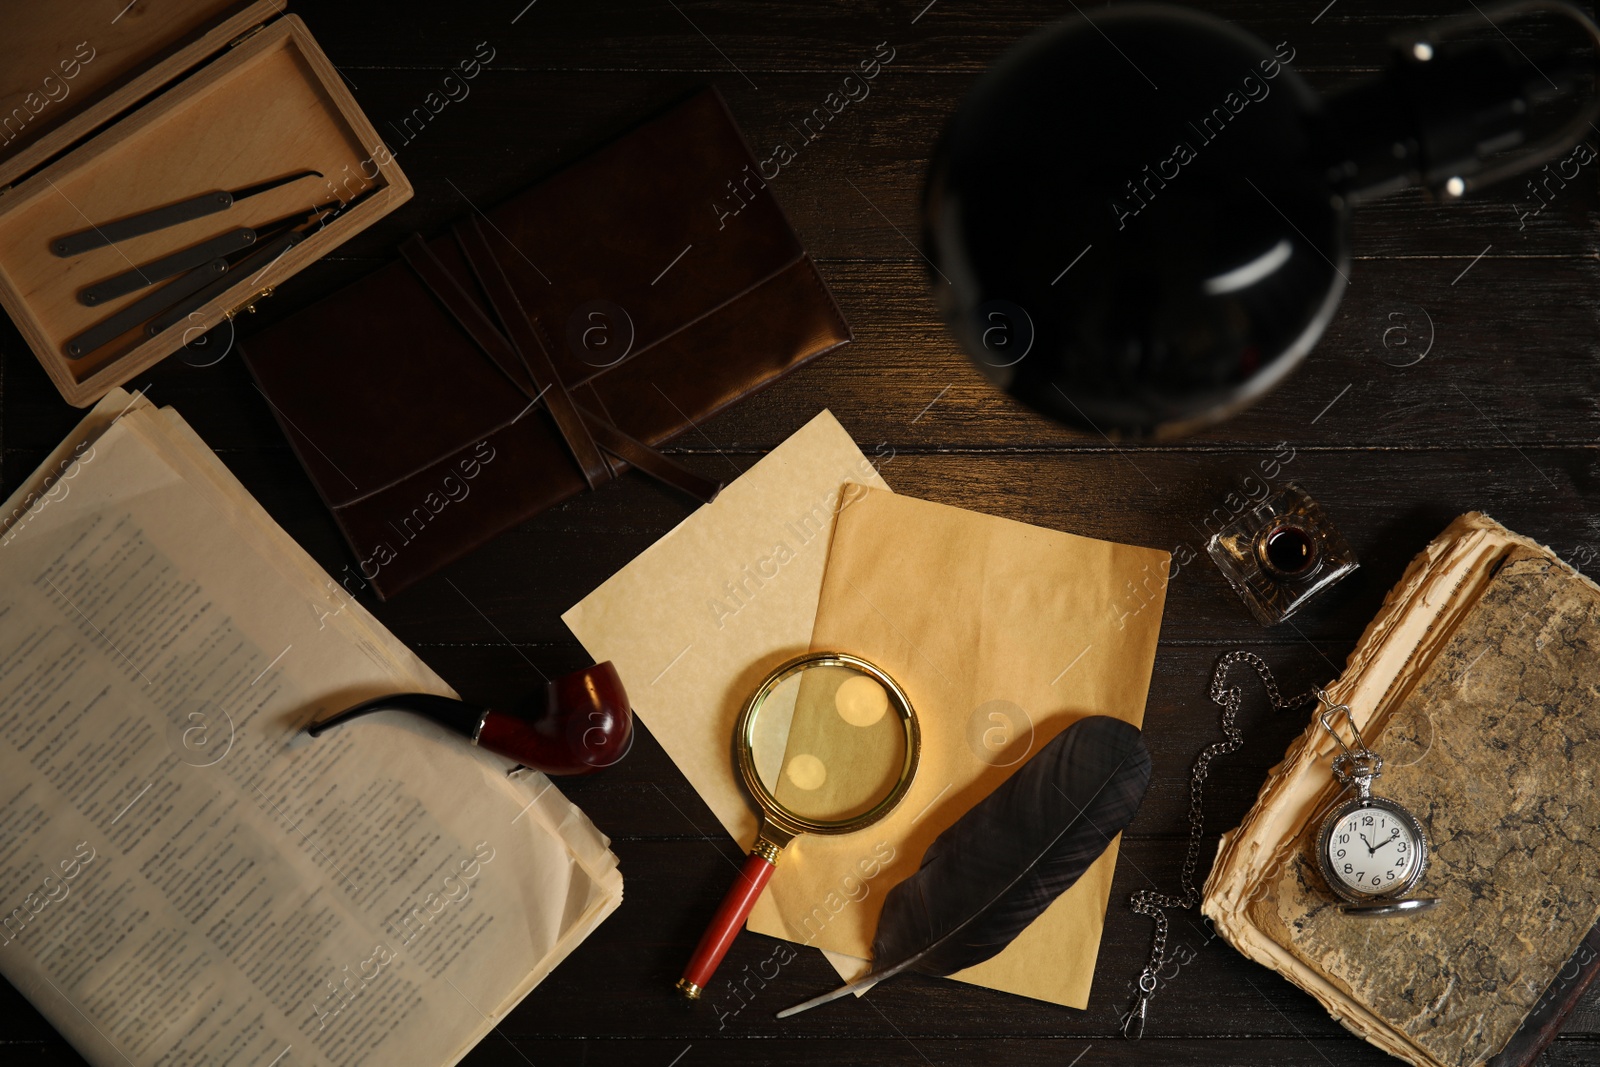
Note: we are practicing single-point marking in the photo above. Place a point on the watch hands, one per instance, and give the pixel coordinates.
(1371, 848)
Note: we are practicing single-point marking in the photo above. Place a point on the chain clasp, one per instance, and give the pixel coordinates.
(1133, 1020)
(1357, 765)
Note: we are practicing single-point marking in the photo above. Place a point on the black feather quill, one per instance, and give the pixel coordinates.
(1004, 862)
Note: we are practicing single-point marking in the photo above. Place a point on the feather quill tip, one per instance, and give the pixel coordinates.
(857, 987)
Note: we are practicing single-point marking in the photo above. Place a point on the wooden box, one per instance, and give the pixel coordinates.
(106, 118)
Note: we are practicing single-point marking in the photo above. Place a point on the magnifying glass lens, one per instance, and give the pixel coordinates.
(827, 745)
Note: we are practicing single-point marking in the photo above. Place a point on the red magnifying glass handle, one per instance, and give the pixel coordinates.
(735, 908)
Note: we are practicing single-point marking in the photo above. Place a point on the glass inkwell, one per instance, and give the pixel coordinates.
(1281, 553)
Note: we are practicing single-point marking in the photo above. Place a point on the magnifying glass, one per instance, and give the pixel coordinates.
(828, 744)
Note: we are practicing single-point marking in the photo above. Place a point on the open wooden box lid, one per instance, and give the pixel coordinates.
(62, 76)
(153, 104)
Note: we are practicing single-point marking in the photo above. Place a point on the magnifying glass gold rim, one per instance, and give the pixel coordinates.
(774, 813)
(779, 825)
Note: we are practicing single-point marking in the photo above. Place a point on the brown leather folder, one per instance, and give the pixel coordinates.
(546, 346)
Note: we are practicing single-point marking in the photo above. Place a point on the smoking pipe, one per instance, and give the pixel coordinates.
(578, 724)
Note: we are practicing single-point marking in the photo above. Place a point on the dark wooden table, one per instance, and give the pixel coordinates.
(1459, 374)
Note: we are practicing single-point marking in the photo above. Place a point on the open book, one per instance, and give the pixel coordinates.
(185, 877)
(1476, 684)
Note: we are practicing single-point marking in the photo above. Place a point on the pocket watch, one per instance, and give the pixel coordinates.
(1372, 850)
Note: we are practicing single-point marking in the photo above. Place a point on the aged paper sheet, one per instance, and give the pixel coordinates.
(1003, 634)
(701, 616)
(186, 878)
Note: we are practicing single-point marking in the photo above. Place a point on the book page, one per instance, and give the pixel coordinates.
(187, 878)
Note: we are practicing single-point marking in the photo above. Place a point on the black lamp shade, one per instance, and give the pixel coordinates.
(1132, 227)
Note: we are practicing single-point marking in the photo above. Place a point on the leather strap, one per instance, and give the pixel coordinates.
(648, 461)
(525, 339)
(466, 311)
(524, 360)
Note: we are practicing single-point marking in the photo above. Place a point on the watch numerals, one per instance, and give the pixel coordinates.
(1373, 822)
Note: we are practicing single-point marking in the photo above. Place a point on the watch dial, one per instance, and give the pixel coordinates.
(1372, 851)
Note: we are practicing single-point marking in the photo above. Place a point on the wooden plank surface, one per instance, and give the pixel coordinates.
(1499, 414)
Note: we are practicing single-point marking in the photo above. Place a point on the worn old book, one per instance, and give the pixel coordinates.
(1476, 683)
(185, 877)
